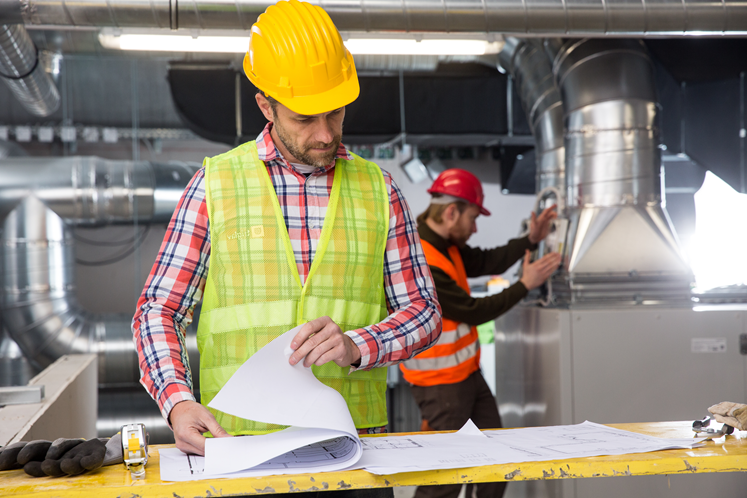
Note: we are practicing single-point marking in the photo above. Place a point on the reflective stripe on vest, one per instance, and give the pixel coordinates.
(456, 355)
(253, 291)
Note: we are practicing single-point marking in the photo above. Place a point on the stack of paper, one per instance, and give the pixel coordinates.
(322, 436)
(471, 447)
(267, 388)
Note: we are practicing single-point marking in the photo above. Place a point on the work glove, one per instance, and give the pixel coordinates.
(70, 458)
(64, 456)
(55, 451)
(9, 455)
(16, 455)
(733, 414)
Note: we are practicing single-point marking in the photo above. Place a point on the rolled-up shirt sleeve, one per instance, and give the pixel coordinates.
(173, 288)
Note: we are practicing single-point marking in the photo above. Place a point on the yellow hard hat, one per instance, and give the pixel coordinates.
(296, 56)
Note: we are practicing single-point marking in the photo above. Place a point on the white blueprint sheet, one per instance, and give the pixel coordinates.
(394, 454)
(467, 448)
(266, 388)
(322, 436)
(324, 456)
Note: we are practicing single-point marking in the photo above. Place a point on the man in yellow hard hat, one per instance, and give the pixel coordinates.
(288, 229)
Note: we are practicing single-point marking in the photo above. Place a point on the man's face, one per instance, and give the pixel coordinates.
(311, 140)
(464, 225)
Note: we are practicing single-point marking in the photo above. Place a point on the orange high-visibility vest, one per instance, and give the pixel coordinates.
(456, 355)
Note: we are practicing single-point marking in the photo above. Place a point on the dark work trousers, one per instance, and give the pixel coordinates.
(447, 407)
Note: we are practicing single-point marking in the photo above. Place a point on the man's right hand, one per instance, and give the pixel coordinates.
(534, 274)
(189, 420)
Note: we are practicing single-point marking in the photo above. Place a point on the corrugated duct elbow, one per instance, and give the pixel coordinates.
(531, 69)
(40, 200)
(22, 72)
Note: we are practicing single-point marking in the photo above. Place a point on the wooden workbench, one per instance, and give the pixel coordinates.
(722, 455)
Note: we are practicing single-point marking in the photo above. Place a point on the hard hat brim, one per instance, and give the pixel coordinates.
(339, 96)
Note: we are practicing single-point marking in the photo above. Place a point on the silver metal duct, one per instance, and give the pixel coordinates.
(15, 369)
(620, 245)
(378, 64)
(531, 69)
(11, 149)
(520, 17)
(94, 191)
(39, 201)
(22, 72)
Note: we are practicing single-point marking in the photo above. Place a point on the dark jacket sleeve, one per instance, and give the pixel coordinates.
(458, 305)
(479, 262)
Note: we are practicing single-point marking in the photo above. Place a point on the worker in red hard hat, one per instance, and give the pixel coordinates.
(445, 380)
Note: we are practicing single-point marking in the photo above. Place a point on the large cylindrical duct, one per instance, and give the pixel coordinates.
(621, 246)
(40, 200)
(22, 72)
(610, 103)
(94, 191)
(40, 309)
(519, 17)
(531, 69)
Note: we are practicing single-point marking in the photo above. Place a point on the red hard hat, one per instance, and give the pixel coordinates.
(460, 183)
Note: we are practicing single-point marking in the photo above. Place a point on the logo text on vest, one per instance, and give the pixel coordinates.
(255, 232)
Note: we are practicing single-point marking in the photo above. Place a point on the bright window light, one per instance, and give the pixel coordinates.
(717, 248)
(222, 43)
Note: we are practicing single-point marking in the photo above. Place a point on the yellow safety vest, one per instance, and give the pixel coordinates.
(253, 292)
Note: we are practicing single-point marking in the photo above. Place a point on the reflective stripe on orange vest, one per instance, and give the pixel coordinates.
(456, 355)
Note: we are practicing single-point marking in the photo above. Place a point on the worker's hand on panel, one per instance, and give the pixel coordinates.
(733, 414)
(539, 226)
(321, 341)
(190, 420)
(535, 273)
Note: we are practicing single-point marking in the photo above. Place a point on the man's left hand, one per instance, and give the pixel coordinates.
(321, 341)
(539, 226)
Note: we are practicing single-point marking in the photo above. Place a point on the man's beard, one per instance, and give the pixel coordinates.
(459, 239)
(302, 154)
(460, 242)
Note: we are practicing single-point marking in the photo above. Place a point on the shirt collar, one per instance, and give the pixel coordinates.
(267, 150)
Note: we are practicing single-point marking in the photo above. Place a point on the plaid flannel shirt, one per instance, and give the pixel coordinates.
(177, 280)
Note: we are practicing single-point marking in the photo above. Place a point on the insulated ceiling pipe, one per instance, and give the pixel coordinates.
(21, 71)
(621, 244)
(531, 68)
(520, 17)
(39, 200)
